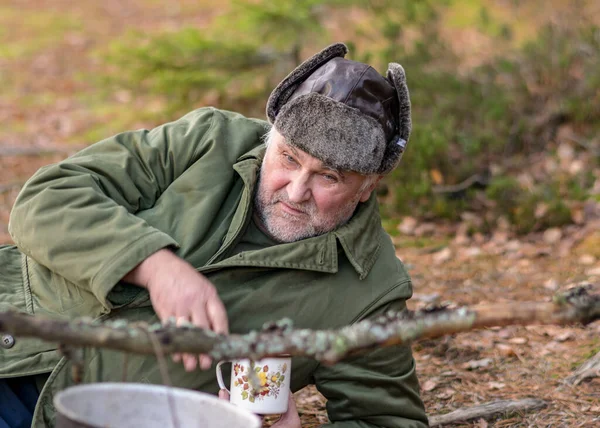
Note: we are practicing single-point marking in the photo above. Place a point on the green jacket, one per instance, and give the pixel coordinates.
(82, 224)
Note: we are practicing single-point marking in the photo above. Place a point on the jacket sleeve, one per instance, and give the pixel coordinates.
(374, 389)
(77, 217)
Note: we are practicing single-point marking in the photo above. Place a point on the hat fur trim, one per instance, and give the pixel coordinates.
(286, 88)
(396, 147)
(340, 136)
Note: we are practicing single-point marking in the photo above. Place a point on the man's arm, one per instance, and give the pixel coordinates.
(375, 389)
(177, 290)
(77, 217)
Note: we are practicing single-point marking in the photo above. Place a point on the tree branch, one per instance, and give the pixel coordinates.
(487, 411)
(328, 346)
(481, 180)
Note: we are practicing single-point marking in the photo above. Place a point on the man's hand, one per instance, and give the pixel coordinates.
(178, 290)
(289, 419)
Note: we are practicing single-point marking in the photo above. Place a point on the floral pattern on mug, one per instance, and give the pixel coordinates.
(270, 382)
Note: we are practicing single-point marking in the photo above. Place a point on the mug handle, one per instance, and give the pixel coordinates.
(220, 376)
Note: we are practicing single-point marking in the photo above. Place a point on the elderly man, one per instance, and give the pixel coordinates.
(227, 222)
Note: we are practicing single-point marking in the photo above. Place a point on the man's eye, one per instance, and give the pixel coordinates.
(289, 159)
(330, 177)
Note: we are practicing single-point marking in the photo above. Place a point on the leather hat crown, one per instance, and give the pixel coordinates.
(344, 112)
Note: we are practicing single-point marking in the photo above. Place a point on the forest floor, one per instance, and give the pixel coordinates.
(48, 110)
(507, 363)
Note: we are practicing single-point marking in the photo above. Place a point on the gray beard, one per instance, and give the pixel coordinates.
(287, 232)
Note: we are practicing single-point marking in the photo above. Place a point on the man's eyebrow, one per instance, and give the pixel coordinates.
(334, 169)
(293, 149)
(323, 165)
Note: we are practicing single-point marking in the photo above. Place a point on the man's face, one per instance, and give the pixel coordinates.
(299, 197)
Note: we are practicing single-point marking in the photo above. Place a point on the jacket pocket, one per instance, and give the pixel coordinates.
(25, 355)
(52, 293)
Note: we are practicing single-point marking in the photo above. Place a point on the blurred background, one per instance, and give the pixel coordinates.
(497, 197)
(505, 93)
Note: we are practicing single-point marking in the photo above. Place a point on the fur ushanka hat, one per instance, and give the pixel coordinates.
(344, 112)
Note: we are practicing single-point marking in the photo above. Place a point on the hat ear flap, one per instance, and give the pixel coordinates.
(286, 88)
(397, 76)
(395, 147)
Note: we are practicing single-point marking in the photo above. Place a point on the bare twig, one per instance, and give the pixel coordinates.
(481, 180)
(76, 356)
(327, 346)
(487, 411)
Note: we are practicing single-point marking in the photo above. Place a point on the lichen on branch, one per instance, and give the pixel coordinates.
(326, 346)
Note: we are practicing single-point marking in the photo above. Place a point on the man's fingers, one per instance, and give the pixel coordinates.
(223, 394)
(292, 412)
(291, 402)
(205, 362)
(289, 419)
(189, 362)
(176, 358)
(217, 315)
(200, 319)
(179, 321)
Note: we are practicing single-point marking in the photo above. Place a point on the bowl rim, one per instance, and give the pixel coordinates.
(64, 394)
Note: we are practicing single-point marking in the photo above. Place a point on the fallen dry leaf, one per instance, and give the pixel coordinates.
(425, 229)
(496, 385)
(477, 364)
(540, 210)
(429, 385)
(563, 337)
(442, 256)
(551, 284)
(552, 235)
(587, 259)
(436, 176)
(446, 393)
(593, 271)
(505, 333)
(408, 225)
(505, 350)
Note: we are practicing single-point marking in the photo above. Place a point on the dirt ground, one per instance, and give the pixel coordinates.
(45, 106)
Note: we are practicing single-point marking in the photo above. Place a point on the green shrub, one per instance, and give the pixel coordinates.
(464, 121)
(184, 66)
(521, 206)
(505, 190)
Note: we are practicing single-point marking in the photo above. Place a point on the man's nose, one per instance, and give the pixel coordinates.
(298, 189)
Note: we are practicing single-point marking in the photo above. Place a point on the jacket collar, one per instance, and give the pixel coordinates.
(359, 239)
